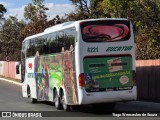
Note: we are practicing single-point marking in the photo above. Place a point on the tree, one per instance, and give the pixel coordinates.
(35, 13)
(144, 14)
(11, 38)
(97, 9)
(148, 30)
(2, 10)
(82, 11)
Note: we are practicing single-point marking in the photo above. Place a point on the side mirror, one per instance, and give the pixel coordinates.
(17, 69)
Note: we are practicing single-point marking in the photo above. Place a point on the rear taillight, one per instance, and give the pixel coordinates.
(134, 77)
(81, 80)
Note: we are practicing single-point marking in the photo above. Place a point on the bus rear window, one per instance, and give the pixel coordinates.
(105, 30)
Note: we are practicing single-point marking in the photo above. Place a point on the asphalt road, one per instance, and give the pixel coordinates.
(11, 100)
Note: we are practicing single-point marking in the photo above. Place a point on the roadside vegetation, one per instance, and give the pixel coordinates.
(144, 14)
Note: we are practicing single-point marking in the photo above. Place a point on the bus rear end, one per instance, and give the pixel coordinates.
(107, 61)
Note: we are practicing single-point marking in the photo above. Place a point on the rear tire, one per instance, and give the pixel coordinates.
(64, 105)
(57, 100)
(33, 100)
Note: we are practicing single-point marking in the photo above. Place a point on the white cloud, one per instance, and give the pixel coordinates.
(58, 9)
(6, 4)
(18, 12)
(54, 9)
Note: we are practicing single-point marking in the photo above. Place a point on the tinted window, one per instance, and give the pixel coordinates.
(105, 31)
(54, 46)
(23, 55)
(69, 38)
(51, 43)
(45, 44)
(23, 52)
(28, 48)
(40, 42)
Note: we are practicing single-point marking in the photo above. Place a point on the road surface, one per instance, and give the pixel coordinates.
(11, 100)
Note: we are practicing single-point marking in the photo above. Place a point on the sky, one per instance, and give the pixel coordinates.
(56, 7)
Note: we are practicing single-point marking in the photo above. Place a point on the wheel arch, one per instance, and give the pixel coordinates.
(28, 91)
(55, 89)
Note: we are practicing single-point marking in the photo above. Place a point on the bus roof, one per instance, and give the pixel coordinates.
(65, 25)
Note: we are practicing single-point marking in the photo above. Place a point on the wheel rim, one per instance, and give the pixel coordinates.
(65, 106)
(56, 99)
(29, 93)
(63, 102)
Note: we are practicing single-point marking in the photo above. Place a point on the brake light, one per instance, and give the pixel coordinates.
(81, 80)
(134, 77)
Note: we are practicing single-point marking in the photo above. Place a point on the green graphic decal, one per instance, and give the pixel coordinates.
(48, 74)
(54, 71)
(108, 72)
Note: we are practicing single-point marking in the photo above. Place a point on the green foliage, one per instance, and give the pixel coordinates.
(11, 39)
(2, 10)
(144, 14)
(36, 14)
(82, 10)
(35, 11)
(13, 31)
(147, 46)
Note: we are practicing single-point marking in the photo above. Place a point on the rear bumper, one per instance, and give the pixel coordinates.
(110, 96)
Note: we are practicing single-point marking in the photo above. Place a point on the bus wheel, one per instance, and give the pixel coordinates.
(33, 100)
(28, 92)
(57, 100)
(64, 105)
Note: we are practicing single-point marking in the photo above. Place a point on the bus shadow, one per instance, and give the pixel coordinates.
(97, 109)
(46, 103)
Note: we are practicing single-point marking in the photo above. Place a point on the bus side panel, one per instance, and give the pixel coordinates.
(48, 75)
(53, 71)
(29, 79)
(69, 77)
(24, 90)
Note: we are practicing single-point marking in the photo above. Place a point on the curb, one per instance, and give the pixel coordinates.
(10, 81)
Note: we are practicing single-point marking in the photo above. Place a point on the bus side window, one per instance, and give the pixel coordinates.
(36, 46)
(46, 46)
(39, 42)
(30, 47)
(70, 38)
(61, 40)
(51, 41)
(54, 43)
(23, 57)
(27, 48)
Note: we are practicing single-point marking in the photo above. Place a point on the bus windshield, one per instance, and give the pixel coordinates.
(105, 31)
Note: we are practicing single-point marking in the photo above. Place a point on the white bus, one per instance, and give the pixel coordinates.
(80, 62)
